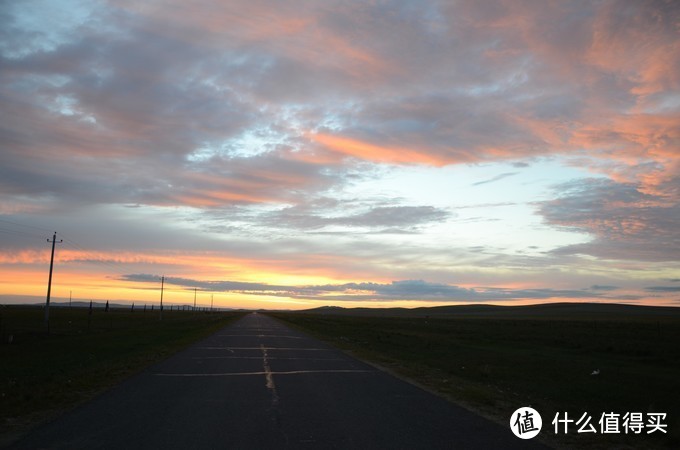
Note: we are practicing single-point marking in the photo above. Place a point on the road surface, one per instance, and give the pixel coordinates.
(258, 384)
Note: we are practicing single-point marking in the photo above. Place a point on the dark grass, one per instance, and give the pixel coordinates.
(42, 375)
(495, 363)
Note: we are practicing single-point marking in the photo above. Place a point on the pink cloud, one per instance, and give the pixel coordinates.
(375, 152)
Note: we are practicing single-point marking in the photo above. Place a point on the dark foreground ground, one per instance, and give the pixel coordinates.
(42, 375)
(559, 358)
(259, 384)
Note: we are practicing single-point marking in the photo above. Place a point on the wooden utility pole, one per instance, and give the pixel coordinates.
(162, 283)
(194, 299)
(49, 283)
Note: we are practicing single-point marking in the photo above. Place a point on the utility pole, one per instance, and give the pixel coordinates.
(49, 283)
(162, 283)
(211, 302)
(70, 298)
(194, 299)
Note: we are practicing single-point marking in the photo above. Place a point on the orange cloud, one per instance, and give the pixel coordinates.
(376, 153)
(215, 198)
(635, 140)
(246, 184)
(640, 45)
(68, 256)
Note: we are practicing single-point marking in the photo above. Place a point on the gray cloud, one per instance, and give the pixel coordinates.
(625, 223)
(130, 116)
(396, 216)
(388, 217)
(496, 178)
(598, 287)
(662, 289)
(211, 286)
(139, 90)
(396, 290)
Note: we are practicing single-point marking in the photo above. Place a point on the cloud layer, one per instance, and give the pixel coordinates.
(418, 290)
(249, 129)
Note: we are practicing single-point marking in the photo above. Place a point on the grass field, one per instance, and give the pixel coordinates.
(42, 375)
(494, 362)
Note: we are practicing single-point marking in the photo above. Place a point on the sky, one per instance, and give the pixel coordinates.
(293, 154)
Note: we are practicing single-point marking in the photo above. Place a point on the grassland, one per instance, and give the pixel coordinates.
(494, 360)
(41, 375)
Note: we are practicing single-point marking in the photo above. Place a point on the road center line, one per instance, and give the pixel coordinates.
(260, 336)
(266, 348)
(269, 358)
(268, 375)
(235, 374)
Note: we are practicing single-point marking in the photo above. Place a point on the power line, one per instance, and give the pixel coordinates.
(9, 230)
(77, 246)
(66, 240)
(24, 225)
(21, 233)
(71, 243)
(22, 229)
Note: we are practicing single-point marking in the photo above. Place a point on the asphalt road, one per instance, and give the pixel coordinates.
(258, 384)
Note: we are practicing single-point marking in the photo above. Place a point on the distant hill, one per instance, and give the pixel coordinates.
(548, 310)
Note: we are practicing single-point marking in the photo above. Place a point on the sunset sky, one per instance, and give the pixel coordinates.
(293, 154)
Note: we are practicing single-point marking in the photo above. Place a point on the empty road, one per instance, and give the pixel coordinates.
(258, 384)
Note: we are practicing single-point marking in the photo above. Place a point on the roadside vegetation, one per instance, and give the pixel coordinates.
(494, 362)
(41, 374)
